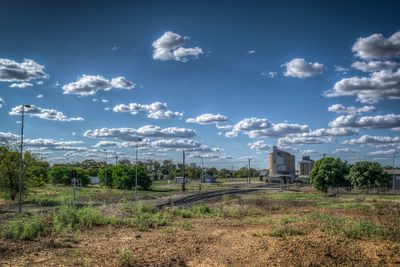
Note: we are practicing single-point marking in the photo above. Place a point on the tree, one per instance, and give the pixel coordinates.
(60, 174)
(329, 172)
(35, 172)
(364, 174)
(123, 177)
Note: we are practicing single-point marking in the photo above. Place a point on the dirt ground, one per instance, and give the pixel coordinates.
(209, 242)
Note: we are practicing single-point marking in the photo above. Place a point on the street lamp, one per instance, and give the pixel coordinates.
(21, 159)
(136, 163)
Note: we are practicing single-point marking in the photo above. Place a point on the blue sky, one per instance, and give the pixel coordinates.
(266, 73)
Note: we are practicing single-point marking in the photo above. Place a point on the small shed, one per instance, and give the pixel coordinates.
(208, 179)
(94, 180)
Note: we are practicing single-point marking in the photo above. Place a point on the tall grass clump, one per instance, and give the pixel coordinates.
(145, 216)
(25, 228)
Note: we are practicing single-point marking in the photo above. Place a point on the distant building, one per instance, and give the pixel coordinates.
(306, 165)
(208, 179)
(395, 175)
(281, 165)
(94, 180)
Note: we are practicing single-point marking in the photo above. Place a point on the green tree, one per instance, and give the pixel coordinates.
(123, 177)
(35, 172)
(329, 172)
(60, 174)
(364, 174)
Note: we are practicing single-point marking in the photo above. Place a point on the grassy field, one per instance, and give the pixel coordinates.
(274, 228)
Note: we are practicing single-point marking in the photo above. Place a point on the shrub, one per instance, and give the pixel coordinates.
(63, 175)
(25, 229)
(285, 230)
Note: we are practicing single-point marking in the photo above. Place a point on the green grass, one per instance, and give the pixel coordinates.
(145, 216)
(352, 228)
(284, 231)
(25, 228)
(186, 225)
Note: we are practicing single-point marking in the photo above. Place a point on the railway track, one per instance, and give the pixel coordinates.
(188, 200)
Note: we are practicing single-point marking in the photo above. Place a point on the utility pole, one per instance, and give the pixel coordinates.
(105, 175)
(136, 165)
(248, 179)
(116, 160)
(324, 155)
(21, 159)
(183, 176)
(394, 174)
(202, 169)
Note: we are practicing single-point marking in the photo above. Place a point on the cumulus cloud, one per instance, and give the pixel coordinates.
(45, 142)
(27, 70)
(332, 132)
(377, 122)
(131, 134)
(259, 145)
(298, 140)
(373, 66)
(21, 85)
(377, 46)
(176, 144)
(43, 113)
(2, 102)
(300, 68)
(341, 69)
(389, 152)
(170, 47)
(368, 139)
(339, 108)
(379, 85)
(208, 118)
(105, 143)
(249, 124)
(345, 150)
(252, 52)
(90, 84)
(39, 96)
(8, 136)
(156, 110)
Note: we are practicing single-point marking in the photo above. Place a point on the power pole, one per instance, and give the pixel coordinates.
(116, 160)
(105, 175)
(183, 178)
(202, 169)
(21, 160)
(248, 179)
(394, 174)
(136, 165)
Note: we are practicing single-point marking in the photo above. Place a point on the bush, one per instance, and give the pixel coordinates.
(66, 219)
(25, 229)
(146, 216)
(364, 174)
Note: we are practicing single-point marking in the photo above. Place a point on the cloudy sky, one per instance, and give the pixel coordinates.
(224, 80)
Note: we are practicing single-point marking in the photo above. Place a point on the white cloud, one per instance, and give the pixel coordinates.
(344, 150)
(131, 134)
(27, 70)
(8, 136)
(300, 68)
(89, 84)
(279, 129)
(39, 82)
(377, 46)
(289, 140)
(389, 152)
(208, 118)
(259, 145)
(156, 110)
(377, 122)
(368, 139)
(341, 69)
(21, 85)
(176, 144)
(332, 132)
(223, 126)
(39, 96)
(106, 143)
(252, 52)
(249, 124)
(373, 66)
(379, 85)
(2, 102)
(308, 151)
(43, 113)
(104, 100)
(44, 142)
(169, 47)
(339, 108)
(95, 100)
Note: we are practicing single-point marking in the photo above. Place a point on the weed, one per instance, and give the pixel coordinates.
(126, 258)
(25, 228)
(285, 230)
(186, 225)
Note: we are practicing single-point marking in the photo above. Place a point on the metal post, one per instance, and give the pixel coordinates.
(136, 165)
(202, 169)
(394, 174)
(183, 178)
(248, 179)
(105, 175)
(116, 160)
(21, 160)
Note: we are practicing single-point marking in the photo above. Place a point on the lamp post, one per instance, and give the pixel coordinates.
(136, 163)
(105, 175)
(21, 159)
